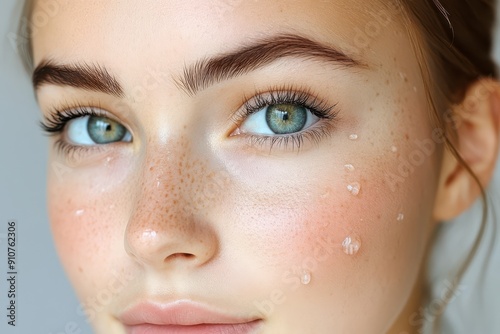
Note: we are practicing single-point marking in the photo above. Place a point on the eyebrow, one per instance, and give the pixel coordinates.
(203, 73)
(210, 71)
(79, 75)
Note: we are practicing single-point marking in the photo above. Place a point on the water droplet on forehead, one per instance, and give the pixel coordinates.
(79, 212)
(400, 217)
(351, 244)
(354, 188)
(305, 277)
(353, 136)
(394, 149)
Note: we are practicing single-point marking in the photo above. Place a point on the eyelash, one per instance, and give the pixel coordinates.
(55, 123)
(328, 115)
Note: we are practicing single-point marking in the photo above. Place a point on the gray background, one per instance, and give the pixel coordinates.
(46, 302)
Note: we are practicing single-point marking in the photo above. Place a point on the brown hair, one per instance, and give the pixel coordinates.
(453, 42)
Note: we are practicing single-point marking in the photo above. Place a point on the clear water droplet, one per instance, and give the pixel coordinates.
(351, 244)
(354, 188)
(305, 278)
(415, 89)
(349, 167)
(353, 137)
(394, 149)
(400, 217)
(107, 161)
(79, 212)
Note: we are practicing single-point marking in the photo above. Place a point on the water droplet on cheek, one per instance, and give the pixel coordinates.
(305, 278)
(354, 188)
(400, 217)
(107, 161)
(351, 244)
(394, 149)
(349, 167)
(79, 212)
(353, 137)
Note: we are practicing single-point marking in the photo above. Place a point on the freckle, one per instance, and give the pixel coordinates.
(378, 94)
(387, 82)
(80, 269)
(407, 137)
(379, 216)
(151, 168)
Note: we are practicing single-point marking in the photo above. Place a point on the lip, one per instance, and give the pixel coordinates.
(184, 317)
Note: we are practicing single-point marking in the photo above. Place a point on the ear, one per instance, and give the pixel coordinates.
(477, 124)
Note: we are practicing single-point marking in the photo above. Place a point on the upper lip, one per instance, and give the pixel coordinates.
(180, 312)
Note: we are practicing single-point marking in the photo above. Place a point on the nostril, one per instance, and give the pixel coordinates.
(179, 256)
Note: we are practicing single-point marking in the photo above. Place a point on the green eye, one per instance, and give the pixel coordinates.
(286, 118)
(103, 130)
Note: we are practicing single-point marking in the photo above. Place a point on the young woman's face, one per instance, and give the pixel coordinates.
(269, 164)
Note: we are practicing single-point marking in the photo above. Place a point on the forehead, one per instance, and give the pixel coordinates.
(179, 32)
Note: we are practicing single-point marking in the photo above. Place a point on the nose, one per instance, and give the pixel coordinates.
(163, 231)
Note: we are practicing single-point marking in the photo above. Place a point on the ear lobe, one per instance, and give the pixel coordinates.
(478, 133)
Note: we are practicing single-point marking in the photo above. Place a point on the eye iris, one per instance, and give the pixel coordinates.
(286, 118)
(102, 130)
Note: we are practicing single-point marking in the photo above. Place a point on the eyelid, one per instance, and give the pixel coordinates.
(57, 118)
(285, 94)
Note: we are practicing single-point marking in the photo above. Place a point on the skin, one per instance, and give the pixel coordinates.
(186, 211)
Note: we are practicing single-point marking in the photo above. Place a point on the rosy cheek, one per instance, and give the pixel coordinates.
(88, 222)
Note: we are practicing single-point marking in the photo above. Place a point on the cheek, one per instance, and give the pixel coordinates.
(299, 231)
(88, 224)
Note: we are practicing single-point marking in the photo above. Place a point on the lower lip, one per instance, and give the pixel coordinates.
(245, 328)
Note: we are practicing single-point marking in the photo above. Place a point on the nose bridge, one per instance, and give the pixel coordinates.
(168, 222)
